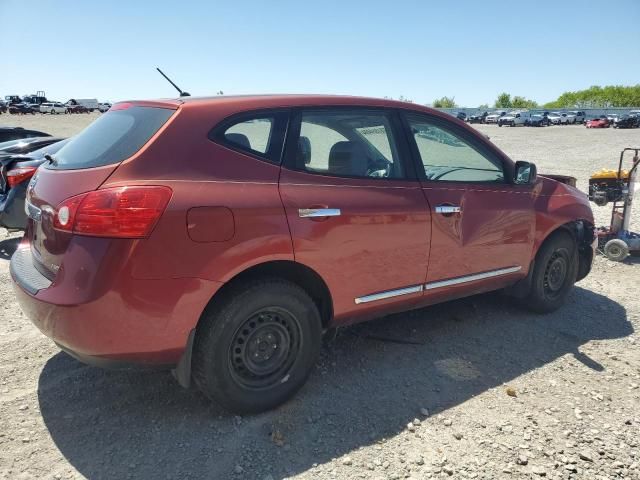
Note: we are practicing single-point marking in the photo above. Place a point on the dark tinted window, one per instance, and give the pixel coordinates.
(112, 138)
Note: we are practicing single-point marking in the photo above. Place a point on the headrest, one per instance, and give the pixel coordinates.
(304, 150)
(348, 158)
(238, 139)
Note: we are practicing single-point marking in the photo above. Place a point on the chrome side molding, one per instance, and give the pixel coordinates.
(439, 284)
(389, 294)
(472, 278)
(318, 212)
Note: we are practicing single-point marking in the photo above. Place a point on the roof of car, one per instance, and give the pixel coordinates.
(281, 100)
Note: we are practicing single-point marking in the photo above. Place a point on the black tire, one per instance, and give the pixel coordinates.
(616, 250)
(255, 348)
(554, 273)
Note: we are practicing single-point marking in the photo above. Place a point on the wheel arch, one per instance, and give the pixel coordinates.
(295, 272)
(583, 233)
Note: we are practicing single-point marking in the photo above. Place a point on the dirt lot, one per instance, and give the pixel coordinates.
(472, 389)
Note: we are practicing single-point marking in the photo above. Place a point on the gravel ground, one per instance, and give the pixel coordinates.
(471, 389)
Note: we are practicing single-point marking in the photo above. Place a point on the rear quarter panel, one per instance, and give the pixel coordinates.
(204, 174)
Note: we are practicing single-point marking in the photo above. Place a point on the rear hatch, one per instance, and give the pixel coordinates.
(82, 166)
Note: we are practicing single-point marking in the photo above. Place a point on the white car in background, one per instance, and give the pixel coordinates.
(494, 117)
(103, 107)
(578, 115)
(513, 118)
(90, 104)
(52, 107)
(557, 118)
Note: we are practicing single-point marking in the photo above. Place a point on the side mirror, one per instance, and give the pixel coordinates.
(525, 173)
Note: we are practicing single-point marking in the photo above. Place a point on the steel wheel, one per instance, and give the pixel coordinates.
(264, 348)
(556, 273)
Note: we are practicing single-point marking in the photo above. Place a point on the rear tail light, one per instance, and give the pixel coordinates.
(19, 175)
(119, 212)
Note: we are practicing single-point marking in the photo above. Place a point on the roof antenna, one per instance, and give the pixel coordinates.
(182, 93)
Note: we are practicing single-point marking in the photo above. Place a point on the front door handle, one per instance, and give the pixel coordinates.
(447, 209)
(318, 212)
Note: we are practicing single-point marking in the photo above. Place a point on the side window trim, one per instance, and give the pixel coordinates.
(397, 131)
(274, 154)
(482, 148)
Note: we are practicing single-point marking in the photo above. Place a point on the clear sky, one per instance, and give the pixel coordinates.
(420, 49)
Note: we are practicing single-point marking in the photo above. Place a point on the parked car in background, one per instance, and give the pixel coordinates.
(579, 116)
(3, 106)
(478, 117)
(557, 118)
(53, 108)
(25, 145)
(538, 120)
(17, 133)
(90, 103)
(626, 121)
(571, 118)
(144, 250)
(103, 107)
(21, 109)
(35, 98)
(15, 172)
(612, 117)
(12, 99)
(493, 117)
(461, 116)
(513, 119)
(76, 108)
(598, 122)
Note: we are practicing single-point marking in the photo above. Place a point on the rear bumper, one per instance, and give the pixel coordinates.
(128, 321)
(110, 363)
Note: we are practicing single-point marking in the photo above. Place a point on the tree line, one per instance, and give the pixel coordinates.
(592, 97)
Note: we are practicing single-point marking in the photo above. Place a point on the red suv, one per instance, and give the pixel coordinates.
(220, 236)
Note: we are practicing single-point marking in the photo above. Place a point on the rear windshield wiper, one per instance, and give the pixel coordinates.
(51, 159)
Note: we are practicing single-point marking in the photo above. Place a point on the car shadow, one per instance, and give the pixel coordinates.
(8, 246)
(371, 380)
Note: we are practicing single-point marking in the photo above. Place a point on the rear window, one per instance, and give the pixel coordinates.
(112, 138)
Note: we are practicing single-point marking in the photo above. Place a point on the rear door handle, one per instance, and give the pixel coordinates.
(447, 209)
(318, 212)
